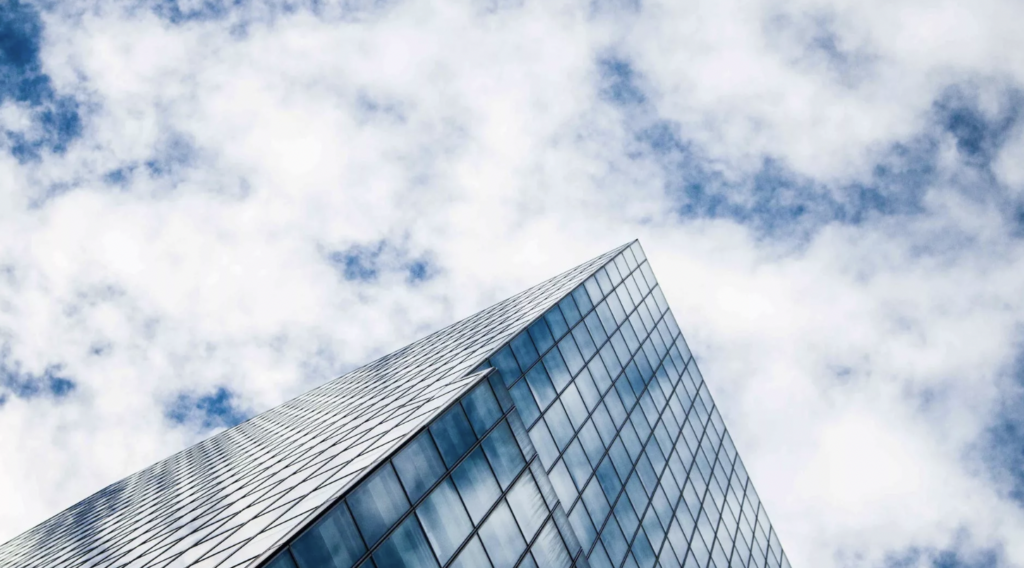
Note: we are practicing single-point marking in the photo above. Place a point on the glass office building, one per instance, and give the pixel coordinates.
(566, 426)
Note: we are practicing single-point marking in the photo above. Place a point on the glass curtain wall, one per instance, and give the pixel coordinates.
(594, 442)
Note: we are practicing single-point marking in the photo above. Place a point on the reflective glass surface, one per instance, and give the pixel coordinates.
(566, 426)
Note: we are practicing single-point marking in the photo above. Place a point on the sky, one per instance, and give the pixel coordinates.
(208, 207)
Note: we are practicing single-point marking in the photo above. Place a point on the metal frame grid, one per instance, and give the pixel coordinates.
(597, 395)
(230, 499)
(642, 461)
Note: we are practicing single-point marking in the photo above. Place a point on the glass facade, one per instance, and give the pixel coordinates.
(567, 426)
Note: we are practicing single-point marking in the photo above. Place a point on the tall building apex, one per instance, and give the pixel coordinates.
(565, 426)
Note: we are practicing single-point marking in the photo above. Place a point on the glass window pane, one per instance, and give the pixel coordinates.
(614, 542)
(473, 556)
(506, 364)
(584, 341)
(444, 519)
(501, 538)
(453, 435)
(593, 289)
(333, 542)
(596, 328)
(582, 299)
(377, 503)
(582, 526)
(588, 390)
(571, 354)
(482, 408)
(524, 401)
(557, 370)
(549, 550)
(541, 385)
(541, 438)
(541, 335)
(574, 406)
(558, 422)
(406, 548)
(576, 462)
(504, 455)
(562, 481)
(597, 504)
(556, 322)
(476, 485)
(599, 372)
(419, 466)
(569, 310)
(527, 505)
(524, 350)
(604, 281)
(283, 560)
(528, 562)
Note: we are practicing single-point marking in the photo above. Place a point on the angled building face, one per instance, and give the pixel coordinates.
(566, 426)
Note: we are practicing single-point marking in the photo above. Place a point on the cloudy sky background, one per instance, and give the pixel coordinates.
(208, 207)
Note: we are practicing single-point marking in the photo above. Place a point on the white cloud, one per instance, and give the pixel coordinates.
(858, 368)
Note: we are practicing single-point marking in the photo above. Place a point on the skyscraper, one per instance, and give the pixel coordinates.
(565, 426)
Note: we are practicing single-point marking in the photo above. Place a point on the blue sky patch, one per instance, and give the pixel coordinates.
(777, 202)
(56, 117)
(365, 262)
(218, 409)
(14, 381)
(979, 135)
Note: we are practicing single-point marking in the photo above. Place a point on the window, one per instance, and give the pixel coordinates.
(377, 503)
(476, 485)
(453, 435)
(501, 537)
(444, 520)
(527, 505)
(331, 543)
(406, 548)
(503, 453)
(419, 466)
(481, 408)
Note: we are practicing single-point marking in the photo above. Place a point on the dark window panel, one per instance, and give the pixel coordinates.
(541, 335)
(503, 453)
(377, 503)
(525, 403)
(570, 311)
(481, 408)
(476, 485)
(582, 300)
(453, 435)
(506, 364)
(556, 322)
(406, 548)
(283, 560)
(524, 350)
(584, 341)
(419, 466)
(331, 543)
(444, 520)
